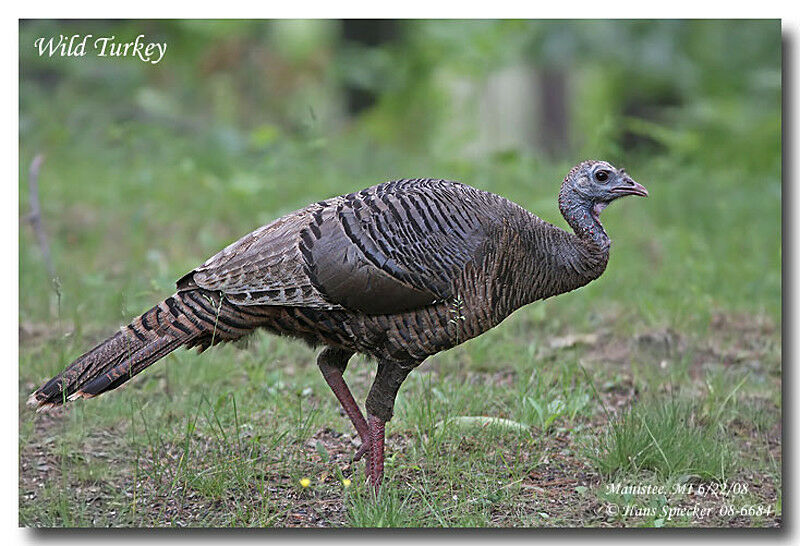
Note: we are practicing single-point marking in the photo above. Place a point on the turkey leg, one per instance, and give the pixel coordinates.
(332, 363)
(380, 408)
(375, 460)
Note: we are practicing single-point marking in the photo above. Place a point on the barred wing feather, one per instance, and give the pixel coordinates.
(390, 248)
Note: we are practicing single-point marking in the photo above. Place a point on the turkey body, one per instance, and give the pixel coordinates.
(398, 271)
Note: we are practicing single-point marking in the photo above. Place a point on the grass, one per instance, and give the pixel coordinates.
(225, 438)
(668, 439)
(665, 371)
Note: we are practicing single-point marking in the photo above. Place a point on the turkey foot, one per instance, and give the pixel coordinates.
(362, 450)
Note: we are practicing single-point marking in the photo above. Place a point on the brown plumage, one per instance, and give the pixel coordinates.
(382, 271)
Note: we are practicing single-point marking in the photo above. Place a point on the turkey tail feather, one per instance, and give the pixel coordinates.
(176, 321)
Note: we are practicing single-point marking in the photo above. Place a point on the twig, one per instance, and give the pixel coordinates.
(35, 216)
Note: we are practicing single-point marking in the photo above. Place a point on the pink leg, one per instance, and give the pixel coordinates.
(339, 387)
(380, 407)
(377, 433)
(333, 376)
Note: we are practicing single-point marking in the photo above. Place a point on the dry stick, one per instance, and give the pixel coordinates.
(35, 218)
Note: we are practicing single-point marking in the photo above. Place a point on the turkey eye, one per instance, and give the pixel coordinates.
(601, 176)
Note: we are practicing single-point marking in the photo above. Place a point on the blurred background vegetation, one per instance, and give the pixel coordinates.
(152, 168)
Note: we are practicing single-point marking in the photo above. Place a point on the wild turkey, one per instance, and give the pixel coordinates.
(379, 272)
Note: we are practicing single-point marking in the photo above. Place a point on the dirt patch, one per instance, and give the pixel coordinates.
(740, 341)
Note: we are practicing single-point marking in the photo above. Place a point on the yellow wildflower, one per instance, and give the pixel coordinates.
(305, 482)
(346, 482)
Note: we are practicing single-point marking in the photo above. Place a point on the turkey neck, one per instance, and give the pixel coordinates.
(584, 219)
(554, 261)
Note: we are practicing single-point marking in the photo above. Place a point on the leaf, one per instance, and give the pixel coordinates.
(556, 407)
(483, 421)
(572, 340)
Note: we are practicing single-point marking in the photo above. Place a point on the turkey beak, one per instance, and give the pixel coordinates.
(628, 186)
